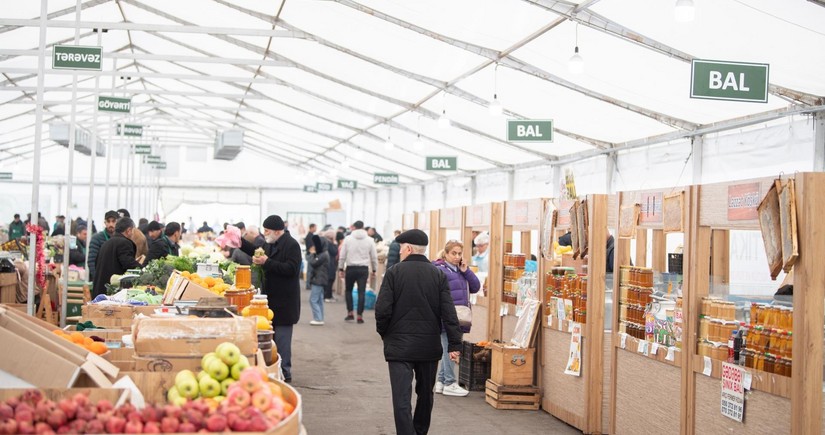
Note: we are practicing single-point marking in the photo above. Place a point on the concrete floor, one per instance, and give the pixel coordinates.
(340, 371)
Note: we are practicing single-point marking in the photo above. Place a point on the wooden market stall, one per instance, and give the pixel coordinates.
(786, 390)
(580, 400)
(646, 373)
(450, 225)
(477, 218)
(408, 221)
(427, 221)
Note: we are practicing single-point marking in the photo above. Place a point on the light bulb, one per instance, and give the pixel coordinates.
(495, 107)
(418, 145)
(576, 63)
(684, 11)
(443, 121)
(388, 145)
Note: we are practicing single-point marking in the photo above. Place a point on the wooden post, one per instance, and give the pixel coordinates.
(720, 257)
(526, 247)
(594, 343)
(496, 268)
(659, 251)
(622, 258)
(695, 264)
(809, 283)
(641, 247)
(434, 224)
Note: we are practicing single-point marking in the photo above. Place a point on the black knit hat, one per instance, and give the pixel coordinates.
(274, 222)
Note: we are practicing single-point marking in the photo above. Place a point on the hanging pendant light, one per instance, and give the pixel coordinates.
(576, 63)
(443, 121)
(495, 108)
(684, 11)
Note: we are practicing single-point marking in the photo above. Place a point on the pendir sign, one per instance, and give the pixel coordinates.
(385, 178)
(734, 81)
(76, 57)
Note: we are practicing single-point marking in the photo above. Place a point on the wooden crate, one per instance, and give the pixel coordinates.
(512, 366)
(8, 288)
(512, 396)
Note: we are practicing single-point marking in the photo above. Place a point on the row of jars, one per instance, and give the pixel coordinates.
(715, 329)
(632, 313)
(638, 276)
(580, 315)
(513, 273)
(718, 309)
(771, 316)
(511, 287)
(768, 363)
(634, 330)
(629, 294)
(514, 260)
(774, 341)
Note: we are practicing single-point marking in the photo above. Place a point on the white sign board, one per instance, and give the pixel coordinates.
(733, 391)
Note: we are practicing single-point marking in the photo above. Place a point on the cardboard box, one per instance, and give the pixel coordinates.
(115, 323)
(179, 288)
(8, 288)
(115, 335)
(107, 311)
(512, 366)
(171, 337)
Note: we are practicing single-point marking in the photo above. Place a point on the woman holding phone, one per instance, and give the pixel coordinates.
(462, 282)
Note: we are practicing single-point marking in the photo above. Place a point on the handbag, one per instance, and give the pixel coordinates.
(464, 313)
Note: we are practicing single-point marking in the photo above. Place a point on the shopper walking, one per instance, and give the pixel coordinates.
(141, 243)
(356, 256)
(413, 304)
(307, 244)
(332, 250)
(116, 256)
(319, 261)
(282, 283)
(109, 220)
(462, 282)
(17, 228)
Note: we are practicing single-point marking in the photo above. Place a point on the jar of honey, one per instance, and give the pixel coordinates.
(243, 278)
(704, 328)
(259, 306)
(240, 297)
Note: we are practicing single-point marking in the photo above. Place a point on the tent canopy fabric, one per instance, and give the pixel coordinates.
(321, 88)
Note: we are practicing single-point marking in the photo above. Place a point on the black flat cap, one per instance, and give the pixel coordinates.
(413, 237)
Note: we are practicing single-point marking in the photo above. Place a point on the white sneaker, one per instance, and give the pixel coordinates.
(454, 390)
(316, 322)
(439, 387)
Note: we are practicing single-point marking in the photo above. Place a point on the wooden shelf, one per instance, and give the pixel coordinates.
(632, 346)
(770, 383)
(565, 326)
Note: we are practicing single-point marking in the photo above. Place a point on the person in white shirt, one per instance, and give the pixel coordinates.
(481, 259)
(357, 256)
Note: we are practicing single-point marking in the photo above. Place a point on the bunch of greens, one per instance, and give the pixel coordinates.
(157, 272)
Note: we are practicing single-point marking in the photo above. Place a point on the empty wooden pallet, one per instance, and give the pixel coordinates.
(512, 396)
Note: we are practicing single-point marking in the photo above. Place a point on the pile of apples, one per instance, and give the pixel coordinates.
(219, 369)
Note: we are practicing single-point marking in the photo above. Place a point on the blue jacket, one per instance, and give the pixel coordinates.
(459, 282)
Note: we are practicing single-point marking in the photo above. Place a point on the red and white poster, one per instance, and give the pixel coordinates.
(733, 391)
(743, 202)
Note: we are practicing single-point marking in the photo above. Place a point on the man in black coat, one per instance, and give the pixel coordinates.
(282, 271)
(116, 256)
(413, 303)
(157, 247)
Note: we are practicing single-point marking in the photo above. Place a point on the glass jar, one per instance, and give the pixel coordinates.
(243, 277)
(646, 278)
(770, 360)
(706, 306)
(759, 361)
(259, 306)
(748, 358)
(715, 330)
(754, 319)
(789, 346)
(704, 328)
(624, 275)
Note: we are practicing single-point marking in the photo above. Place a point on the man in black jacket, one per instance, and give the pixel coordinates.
(282, 272)
(116, 256)
(157, 246)
(413, 303)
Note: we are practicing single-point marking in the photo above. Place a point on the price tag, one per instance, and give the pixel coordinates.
(624, 341)
(708, 366)
(654, 348)
(642, 347)
(671, 354)
(747, 380)
(561, 324)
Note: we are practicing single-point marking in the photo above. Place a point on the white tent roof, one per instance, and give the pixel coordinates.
(314, 82)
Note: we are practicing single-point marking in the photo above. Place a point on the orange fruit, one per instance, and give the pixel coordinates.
(98, 348)
(88, 341)
(209, 281)
(57, 331)
(78, 338)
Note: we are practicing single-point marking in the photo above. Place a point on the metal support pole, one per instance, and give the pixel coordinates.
(64, 292)
(423, 198)
(473, 190)
(93, 157)
(697, 146)
(819, 142)
(110, 144)
(610, 172)
(511, 184)
(38, 130)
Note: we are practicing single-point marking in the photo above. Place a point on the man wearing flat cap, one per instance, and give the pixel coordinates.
(282, 269)
(413, 303)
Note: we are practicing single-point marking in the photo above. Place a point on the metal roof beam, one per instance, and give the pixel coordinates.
(205, 93)
(11, 53)
(56, 14)
(138, 74)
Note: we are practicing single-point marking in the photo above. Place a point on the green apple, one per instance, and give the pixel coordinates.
(184, 374)
(209, 387)
(174, 397)
(225, 385)
(201, 374)
(217, 369)
(187, 386)
(206, 358)
(238, 367)
(228, 353)
(219, 399)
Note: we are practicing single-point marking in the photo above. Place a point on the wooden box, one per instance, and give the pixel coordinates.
(512, 366)
(525, 397)
(8, 288)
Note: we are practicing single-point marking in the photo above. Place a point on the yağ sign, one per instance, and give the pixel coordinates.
(347, 184)
(114, 104)
(743, 202)
(736, 81)
(379, 178)
(76, 57)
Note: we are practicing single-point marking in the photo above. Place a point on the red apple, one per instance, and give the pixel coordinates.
(32, 396)
(115, 424)
(87, 412)
(78, 426)
(81, 399)
(169, 424)
(25, 427)
(172, 411)
(24, 413)
(13, 401)
(240, 398)
(104, 405)
(57, 418)
(10, 426)
(216, 423)
(69, 407)
(187, 427)
(42, 410)
(6, 411)
(133, 426)
(241, 425)
(151, 427)
(94, 426)
(42, 428)
(150, 413)
(258, 424)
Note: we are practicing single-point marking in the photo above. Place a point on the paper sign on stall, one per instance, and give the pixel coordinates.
(733, 392)
(574, 361)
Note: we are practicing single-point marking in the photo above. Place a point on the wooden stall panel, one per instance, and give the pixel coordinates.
(764, 413)
(730, 205)
(647, 398)
(450, 218)
(526, 213)
(562, 395)
(607, 351)
(478, 216)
